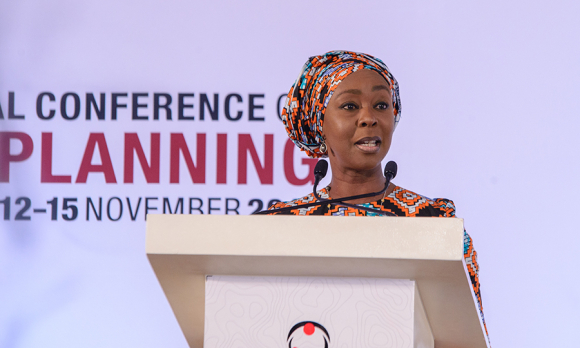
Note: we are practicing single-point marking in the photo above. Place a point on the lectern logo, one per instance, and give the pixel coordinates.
(308, 334)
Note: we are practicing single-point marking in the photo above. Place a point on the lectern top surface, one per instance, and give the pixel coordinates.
(320, 236)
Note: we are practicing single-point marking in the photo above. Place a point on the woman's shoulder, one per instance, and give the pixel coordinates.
(410, 203)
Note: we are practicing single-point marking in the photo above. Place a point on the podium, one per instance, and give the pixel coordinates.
(422, 257)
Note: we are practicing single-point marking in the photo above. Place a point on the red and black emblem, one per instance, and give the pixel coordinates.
(308, 334)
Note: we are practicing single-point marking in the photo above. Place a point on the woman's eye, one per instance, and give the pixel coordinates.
(382, 106)
(348, 106)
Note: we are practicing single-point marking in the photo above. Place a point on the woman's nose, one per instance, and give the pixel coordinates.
(367, 118)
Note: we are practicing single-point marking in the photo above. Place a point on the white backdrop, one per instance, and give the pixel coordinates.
(489, 103)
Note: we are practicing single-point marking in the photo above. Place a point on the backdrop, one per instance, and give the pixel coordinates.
(114, 109)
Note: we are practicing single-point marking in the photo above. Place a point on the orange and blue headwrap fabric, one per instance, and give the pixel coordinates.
(303, 114)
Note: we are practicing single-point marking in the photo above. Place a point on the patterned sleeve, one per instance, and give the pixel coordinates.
(447, 208)
(278, 205)
(469, 253)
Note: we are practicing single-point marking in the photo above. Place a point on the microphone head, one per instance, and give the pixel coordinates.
(391, 170)
(320, 169)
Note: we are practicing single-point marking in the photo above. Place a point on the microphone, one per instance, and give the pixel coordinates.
(390, 170)
(320, 171)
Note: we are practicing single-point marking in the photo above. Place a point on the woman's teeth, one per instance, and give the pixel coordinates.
(369, 143)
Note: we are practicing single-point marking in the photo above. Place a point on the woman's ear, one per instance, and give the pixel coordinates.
(328, 146)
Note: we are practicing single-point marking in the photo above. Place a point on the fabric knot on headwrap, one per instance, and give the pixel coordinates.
(303, 114)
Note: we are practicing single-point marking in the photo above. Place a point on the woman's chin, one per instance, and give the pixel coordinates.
(368, 165)
(357, 160)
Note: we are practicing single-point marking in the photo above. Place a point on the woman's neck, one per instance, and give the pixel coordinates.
(345, 184)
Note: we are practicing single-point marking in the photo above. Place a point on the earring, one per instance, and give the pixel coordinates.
(323, 147)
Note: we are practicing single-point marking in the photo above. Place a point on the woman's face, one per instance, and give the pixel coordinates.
(359, 122)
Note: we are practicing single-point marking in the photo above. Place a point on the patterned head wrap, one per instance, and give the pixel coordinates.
(303, 114)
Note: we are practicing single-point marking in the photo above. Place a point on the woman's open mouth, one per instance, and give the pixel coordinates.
(369, 144)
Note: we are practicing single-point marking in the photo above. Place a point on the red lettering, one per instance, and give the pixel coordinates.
(46, 163)
(178, 145)
(222, 159)
(289, 166)
(6, 157)
(106, 166)
(265, 172)
(133, 145)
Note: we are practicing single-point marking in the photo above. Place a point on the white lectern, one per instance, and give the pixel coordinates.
(372, 254)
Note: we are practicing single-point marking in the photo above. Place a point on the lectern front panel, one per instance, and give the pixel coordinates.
(307, 312)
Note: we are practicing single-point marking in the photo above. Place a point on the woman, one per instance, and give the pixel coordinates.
(345, 106)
